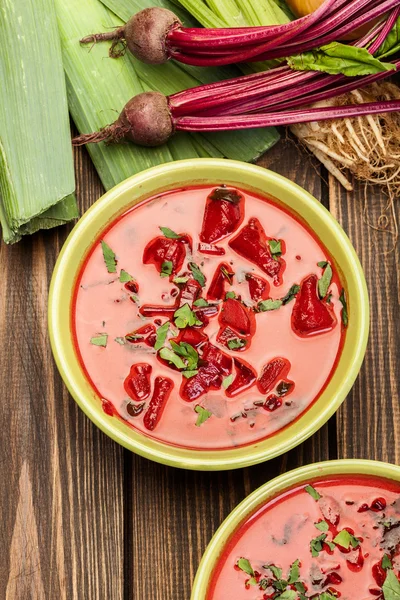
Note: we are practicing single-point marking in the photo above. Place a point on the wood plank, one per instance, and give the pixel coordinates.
(61, 497)
(173, 514)
(369, 420)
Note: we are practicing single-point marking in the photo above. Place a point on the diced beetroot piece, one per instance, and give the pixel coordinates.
(190, 291)
(132, 286)
(108, 407)
(225, 334)
(215, 356)
(276, 369)
(258, 287)
(154, 310)
(272, 403)
(236, 315)
(216, 366)
(162, 249)
(210, 249)
(379, 574)
(162, 390)
(356, 563)
(205, 313)
(222, 275)
(311, 315)
(143, 335)
(193, 336)
(224, 213)
(252, 243)
(245, 377)
(137, 384)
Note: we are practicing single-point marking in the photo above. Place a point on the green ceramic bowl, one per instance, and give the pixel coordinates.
(199, 172)
(267, 491)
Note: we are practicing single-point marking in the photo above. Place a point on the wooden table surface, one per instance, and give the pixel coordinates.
(82, 518)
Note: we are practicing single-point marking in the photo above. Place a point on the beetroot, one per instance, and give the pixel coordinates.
(143, 335)
(223, 214)
(276, 369)
(162, 390)
(311, 315)
(190, 335)
(237, 316)
(245, 377)
(226, 334)
(222, 276)
(252, 243)
(215, 366)
(137, 384)
(189, 293)
(210, 249)
(162, 250)
(258, 287)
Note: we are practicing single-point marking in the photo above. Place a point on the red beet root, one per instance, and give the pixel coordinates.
(190, 292)
(192, 336)
(245, 377)
(237, 316)
(226, 333)
(132, 286)
(143, 335)
(222, 276)
(311, 315)
(258, 287)
(224, 212)
(272, 403)
(137, 384)
(210, 249)
(162, 390)
(252, 243)
(276, 369)
(161, 249)
(217, 365)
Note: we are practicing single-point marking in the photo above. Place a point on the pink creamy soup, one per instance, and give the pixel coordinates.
(336, 538)
(216, 331)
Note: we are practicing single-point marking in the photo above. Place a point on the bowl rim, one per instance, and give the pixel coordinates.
(273, 488)
(146, 446)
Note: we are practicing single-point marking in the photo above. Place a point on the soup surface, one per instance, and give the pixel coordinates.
(336, 538)
(208, 318)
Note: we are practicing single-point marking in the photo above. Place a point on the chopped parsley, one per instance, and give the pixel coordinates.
(203, 416)
(313, 492)
(172, 357)
(187, 352)
(120, 340)
(294, 572)
(109, 257)
(230, 295)
(180, 280)
(325, 281)
(166, 268)
(168, 233)
(275, 247)
(197, 274)
(287, 595)
(316, 544)
(391, 586)
(185, 317)
(386, 562)
(276, 571)
(269, 305)
(236, 343)
(189, 374)
(99, 340)
(322, 526)
(226, 382)
(161, 335)
(322, 264)
(201, 302)
(345, 315)
(346, 539)
(124, 276)
(242, 563)
(291, 294)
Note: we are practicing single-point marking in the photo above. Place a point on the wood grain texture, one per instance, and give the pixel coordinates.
(61, 497)
(369, 420)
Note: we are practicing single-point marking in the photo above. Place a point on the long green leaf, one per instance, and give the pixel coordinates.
(36, 166)
(171, 77)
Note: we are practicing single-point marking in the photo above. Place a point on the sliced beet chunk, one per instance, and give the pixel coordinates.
(143, 335)
(162, 390)
(223, 214)
(252, 243)
(311, 315)
(222, 276)
(236, 315)
(215, 365)
(258, 287)
(162, 250)
(275, 370)
(210, 249)
(137, 384)
(191, 335)
(215, 356)
(245, 377)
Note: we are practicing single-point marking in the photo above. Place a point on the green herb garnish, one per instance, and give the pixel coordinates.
(197, 274)
(226, 274)
(316, 544)
(346, 539)
(269, 304)
(322, 526)
(168, 233)
(120, 340)
(124, 276)
(391, 587)
(313, 492)
(291, 294)
(187, 352)
(185, 317)
(345, 315)
(201, 302)
(226, 382)
(287, 595)
(275, 247)
(276, 571)
(99, 340)
(166, 268)
(171, 357)
(236, 343)
(109, 257)
(386, 562)
(325, 281)
(189, 374)
(161, 335)
(294, 571)
(326, 596)
(322, 264)
(180, 279)
(230, 295)
(202, 418)
(242, 563)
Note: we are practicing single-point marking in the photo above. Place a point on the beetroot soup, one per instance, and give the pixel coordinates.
(335, 538)
(208, 317)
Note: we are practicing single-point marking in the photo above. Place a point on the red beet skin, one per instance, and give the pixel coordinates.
(275, 370)
(237, 316)
(252, 243)
(162, 390)
(190, 335)
(311, 315)
(245, 377)
(216, 366)
(224, 213)
(222, 275)
(190, 291)
(258, 287)
(162, 249)
(143, 335)
(137, 384)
